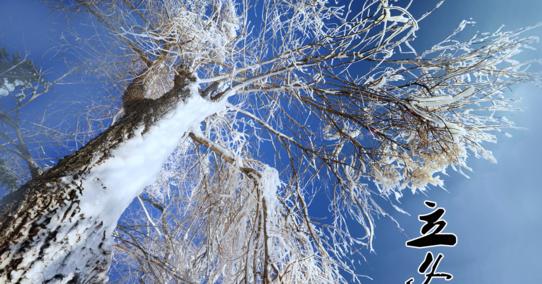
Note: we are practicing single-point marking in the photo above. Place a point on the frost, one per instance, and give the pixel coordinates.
(382, 80)
(456, 130)
(270, 181)
(432, 103)
(204, 37)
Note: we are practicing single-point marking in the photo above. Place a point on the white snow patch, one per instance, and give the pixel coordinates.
(270, 183)
(432, 103)
(111, 186)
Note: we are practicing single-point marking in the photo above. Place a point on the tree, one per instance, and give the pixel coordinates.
(21, 84)
(337, 91)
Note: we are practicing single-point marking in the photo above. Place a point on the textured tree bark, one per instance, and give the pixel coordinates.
(43, 230)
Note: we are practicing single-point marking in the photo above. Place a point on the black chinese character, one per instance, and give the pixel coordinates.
(431, 230)
(433, 273)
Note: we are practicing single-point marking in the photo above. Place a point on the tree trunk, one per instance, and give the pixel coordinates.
(58, 227)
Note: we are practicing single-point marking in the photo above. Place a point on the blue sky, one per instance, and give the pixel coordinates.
(496, 214)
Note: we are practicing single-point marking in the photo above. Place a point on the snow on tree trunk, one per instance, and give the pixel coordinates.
(58, 227)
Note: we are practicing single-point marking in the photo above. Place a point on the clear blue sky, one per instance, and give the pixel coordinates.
(496, 214)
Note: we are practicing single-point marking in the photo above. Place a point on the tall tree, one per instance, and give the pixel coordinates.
(336, 91)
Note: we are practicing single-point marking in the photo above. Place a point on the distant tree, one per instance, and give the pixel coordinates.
(20, 84)
(336, 92)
